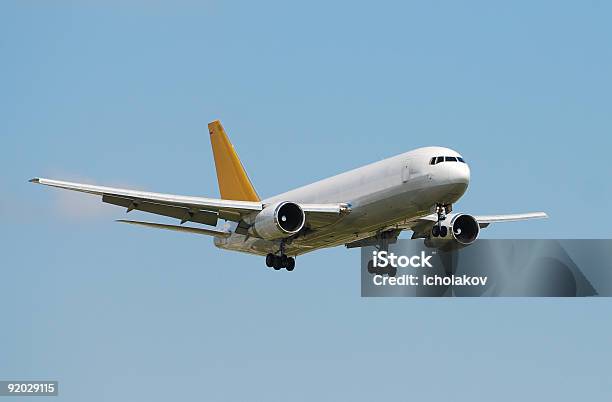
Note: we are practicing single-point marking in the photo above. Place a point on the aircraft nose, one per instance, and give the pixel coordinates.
(459, 173)
(458, 180)
(463, 173)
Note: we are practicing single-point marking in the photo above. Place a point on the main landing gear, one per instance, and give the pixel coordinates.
(280, 261)
(383, 245)
(438, 229)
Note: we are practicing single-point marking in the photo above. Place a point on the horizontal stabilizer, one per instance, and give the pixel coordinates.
(207, 232)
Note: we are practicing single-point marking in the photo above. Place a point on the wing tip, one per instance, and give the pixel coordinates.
(34, 180)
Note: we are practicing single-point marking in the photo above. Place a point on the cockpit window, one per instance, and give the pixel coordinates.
(437, 159)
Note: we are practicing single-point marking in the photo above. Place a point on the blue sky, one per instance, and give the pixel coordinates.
(121, 94)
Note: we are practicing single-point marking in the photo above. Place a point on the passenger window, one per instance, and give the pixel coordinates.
(451, 159)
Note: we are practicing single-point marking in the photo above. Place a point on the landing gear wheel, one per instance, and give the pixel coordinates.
(392, 271)
(283, 261)
(443, 231)
(277, 263)
(270, 260)
(290, 264)
(435, 231)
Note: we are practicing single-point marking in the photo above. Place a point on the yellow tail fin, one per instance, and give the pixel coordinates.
(234, 184)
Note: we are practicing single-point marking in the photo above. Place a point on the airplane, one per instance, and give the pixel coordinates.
(367, 206)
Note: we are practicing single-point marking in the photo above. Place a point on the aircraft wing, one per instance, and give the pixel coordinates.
(186, 208)
(423, 225)
(486, 220)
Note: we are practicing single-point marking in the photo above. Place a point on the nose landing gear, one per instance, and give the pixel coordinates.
(438, 229)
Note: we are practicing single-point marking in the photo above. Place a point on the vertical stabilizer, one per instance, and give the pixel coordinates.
(234, 183)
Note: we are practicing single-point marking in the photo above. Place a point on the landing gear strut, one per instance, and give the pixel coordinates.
(280, 261)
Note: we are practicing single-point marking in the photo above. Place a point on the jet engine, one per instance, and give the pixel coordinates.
(456, 231)
(279, 220)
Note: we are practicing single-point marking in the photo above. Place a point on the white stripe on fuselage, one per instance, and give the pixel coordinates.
(402, 187)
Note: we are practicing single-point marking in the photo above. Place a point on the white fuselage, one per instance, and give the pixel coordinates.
(382, 194)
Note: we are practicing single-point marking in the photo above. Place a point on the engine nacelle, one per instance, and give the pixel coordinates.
(459, 230)
(279, 220)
